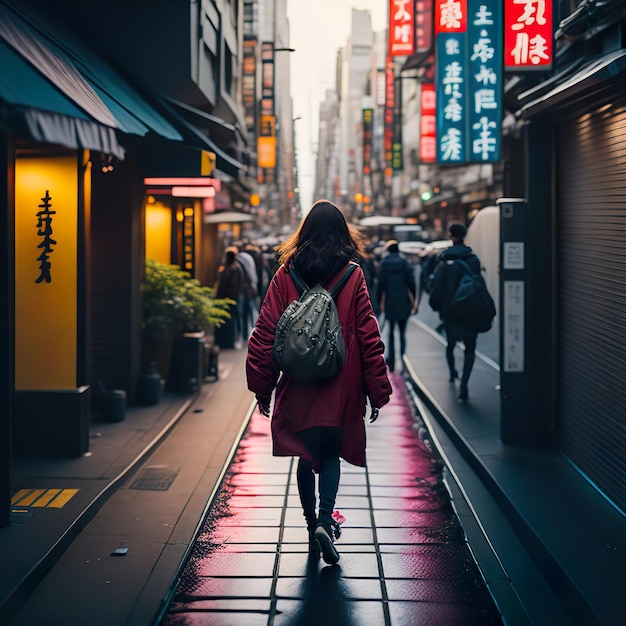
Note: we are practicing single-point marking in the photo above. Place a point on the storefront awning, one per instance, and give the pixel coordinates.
(212, 122)
(592, 75)
(193, 136)
(46, 114)
(84, 98)
(59, 90)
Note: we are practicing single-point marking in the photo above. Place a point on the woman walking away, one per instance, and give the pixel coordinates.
(320, 421)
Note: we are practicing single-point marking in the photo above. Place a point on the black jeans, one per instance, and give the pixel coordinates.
(470, 354)
(391, 347)
(324, 443)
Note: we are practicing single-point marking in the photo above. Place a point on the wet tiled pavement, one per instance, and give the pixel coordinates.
(404, 558)
(540, 560)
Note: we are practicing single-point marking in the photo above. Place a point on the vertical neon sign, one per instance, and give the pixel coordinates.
(468, 70)
(401, 27)
(528, 34)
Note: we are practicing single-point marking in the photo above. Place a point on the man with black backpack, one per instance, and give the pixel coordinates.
(449, 296)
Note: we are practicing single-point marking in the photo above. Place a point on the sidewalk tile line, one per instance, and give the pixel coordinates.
(279, 547)
(379, 558)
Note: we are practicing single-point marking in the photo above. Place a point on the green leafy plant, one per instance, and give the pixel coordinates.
(174, 302)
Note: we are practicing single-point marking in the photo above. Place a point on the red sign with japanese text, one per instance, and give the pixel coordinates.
(450, 16)
(401, 27)
(389, 104)
(423, 25)
(428, 124)
(528, 34)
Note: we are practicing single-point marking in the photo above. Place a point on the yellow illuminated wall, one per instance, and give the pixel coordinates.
(45, 311)
(159, 232)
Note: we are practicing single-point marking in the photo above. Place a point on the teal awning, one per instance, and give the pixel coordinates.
(49, 116)
(193, 136)
(66, 94)
(22, 86)
(590, 76)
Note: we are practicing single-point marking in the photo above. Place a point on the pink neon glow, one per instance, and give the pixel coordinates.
(170, 182)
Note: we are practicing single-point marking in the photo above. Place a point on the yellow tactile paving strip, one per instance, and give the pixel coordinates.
(40, 498)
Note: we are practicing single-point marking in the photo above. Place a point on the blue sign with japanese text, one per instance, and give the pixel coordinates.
(484, 38)
(468, 69)
(451, 98)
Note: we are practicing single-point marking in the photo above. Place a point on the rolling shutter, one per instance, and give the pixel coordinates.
(591, 170)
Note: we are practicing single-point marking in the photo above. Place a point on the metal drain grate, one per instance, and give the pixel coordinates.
(155, 478)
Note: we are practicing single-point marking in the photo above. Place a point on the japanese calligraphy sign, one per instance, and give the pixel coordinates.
(248, 84)
(428, 124)
(423, 25)
(451, 72)
(267, 78)
(401, 27)
(528, 34)
(45, 216)
(368, 125)
(47, 230)
(266, 142)
(397, 163)
(468, 69)
(484, 34)
(450, 16)
(390, 76)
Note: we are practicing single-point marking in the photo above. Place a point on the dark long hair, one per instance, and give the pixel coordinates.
(322, 245)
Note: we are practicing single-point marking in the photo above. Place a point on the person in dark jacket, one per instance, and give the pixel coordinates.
(229, 285)
(396, 297)
(447, 276)
(320, 421)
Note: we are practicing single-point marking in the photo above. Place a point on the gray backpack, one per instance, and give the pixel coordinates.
(309, 343)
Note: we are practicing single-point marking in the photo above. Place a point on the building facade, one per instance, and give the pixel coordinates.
(122, 139)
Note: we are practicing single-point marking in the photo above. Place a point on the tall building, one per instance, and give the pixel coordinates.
(355, 83)
(270, 111)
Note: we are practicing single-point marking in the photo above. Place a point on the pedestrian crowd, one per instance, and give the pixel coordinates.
(242, 276)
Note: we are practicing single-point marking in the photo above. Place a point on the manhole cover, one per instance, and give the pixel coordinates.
(155, 478)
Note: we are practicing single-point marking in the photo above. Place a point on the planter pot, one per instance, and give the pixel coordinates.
(187, 368)
(113, 404)
(226, 333)
(150, 386)
(157, 349)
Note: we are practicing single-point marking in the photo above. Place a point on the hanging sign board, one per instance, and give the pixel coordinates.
(401, 27)
(468, 70)
(528, 35)
(428, 124)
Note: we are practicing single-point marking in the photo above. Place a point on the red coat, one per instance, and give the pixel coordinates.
(337, 402)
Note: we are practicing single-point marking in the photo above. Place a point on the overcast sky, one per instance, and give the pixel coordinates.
(317, 30)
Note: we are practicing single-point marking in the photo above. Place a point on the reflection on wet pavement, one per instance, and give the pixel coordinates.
(404, 558)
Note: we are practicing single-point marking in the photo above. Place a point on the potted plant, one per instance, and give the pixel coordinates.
(174, 303)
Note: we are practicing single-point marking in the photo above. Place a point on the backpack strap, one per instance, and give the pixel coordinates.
(465, 266)
(336, 288)
(301, 286)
